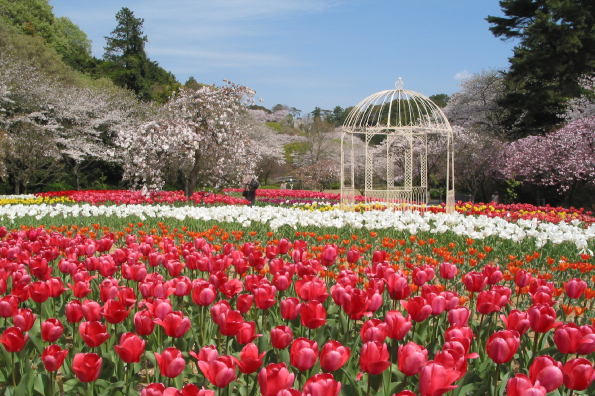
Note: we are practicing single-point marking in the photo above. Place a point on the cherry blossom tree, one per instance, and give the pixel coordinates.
(475, 106)
(564, 158)
(200, 131)
(77, 122)
(584, 105)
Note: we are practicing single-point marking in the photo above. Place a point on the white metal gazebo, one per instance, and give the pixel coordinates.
(404, 118)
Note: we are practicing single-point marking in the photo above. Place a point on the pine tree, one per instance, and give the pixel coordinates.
(125, 54)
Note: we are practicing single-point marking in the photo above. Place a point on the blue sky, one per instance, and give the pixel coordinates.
(308, 53)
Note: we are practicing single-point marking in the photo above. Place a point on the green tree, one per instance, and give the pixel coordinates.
(441, 100)
(35, 18)
(556, 46)
(127, 63)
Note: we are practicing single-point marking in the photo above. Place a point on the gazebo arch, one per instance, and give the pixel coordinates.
(399, 116)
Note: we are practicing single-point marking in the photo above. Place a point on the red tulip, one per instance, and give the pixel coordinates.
(374, 330)
(418, 308)
(435, 380)
(171, 362)
(91, 310)
(321, 384)
(51, 330)
(284, 245)
(373, 358)
(398, 326)
(578, 374)
(52, 357)
(244, 302)
(352, 256)
(523, 279)
(282, 280)
(568, 338)
(193, 390)
(475, 281)
(158, 389)
(502, 345)
(174, 324)
(454, 355)
(160, 308)
(520, 385)
(542, 318)
(290, 308)
(587, 344)
(493, 274)
(86, 366)
(131, 348)
(220, 372)
(398, 286)
(219, 310)
(517, 320)
(143, 323)
(93, 333)
(9, 306)
(250, 360)
(115, 312)
(313, 314)
(39, 291)
(230, 323)
(575, 288)
(421, 275)
(489, 301)
(412, 358)
(108, 289)
(448, 270)
(56, 287)
(547, 371)
(203, 293)
(247, 333)
(303, 354)
(80, 289)
(74, 311)
(126, 296)
(24, 319)
(13, 339)
(459, 316)
(206, 354)
(334, 355)
(264, 296)
(231, 288)
(274, 378)
(281, 337)
(311, 288)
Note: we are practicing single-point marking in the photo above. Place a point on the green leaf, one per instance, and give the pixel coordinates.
(355, 389)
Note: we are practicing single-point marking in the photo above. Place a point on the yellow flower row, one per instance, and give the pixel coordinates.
(35, 201)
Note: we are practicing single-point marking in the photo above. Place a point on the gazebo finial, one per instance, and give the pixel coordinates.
(399, 84)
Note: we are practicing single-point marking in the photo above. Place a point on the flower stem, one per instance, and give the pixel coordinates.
(14, 383)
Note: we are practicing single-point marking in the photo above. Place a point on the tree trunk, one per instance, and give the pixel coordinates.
(194, 172)
(17, 185)
(76, 169)
(186, 186)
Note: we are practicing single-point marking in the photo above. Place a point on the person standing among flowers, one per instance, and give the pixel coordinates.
(250, 190)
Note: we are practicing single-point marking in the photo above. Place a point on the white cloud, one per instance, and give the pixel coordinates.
(462, 75)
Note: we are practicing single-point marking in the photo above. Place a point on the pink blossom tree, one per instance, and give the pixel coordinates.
(200, 131)
(564, 158)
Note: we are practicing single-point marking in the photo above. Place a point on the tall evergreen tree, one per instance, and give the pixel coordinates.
(127, 61)
(556, 46)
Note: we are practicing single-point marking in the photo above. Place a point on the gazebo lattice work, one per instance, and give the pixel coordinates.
(405, 119)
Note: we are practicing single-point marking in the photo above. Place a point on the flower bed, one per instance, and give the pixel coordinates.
(117, 299)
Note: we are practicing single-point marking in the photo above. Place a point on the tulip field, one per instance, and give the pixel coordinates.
(123, 293)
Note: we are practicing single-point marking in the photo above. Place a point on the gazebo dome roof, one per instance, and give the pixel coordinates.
(395, 111)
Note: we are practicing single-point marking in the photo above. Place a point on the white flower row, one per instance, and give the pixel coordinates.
(475, 227)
